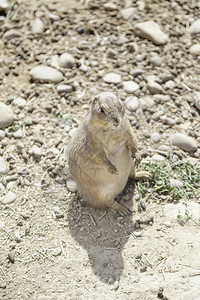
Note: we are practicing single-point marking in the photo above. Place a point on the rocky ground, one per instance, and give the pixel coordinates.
(55, 56)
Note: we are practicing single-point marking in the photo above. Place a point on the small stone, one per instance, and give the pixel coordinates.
(12, 34)
(195, 27)
(154, 87)
(2, 225)
(197, 100)
(116, 285)
(10, 185)
(170, 84)
(71, 185)
(6, 115)
(46, 74)
(157, 157)
(112, 78)
(168, 224)
(3, 166)
(64, 88)
(36, 151)
(18, 237)
(130, 86)
(184, 142)
(164, 148)
(137, 233)
(155, 137)
(156, 116)
(37, 26)
(132, 103)
(146, 102)
(18, 134)
(112, 53)
(11, 257)
(110, 6)
(9, 198)
(72, 131)
(4, 5)
(175, 183)
(151, 31)
(3, 285)
(2, 134)
(165, 77)
(56, 251)
(66, 61)
(128, 13)
(195, 49)
(138, 255)
(156, 61)
(170, 121)
(53, 17)
(19, 102)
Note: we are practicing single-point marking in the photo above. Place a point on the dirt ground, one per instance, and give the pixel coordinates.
(52, 245)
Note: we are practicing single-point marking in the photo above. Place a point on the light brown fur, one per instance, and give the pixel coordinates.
(101, 153)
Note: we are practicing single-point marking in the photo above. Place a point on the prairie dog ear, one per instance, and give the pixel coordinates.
(94, 100)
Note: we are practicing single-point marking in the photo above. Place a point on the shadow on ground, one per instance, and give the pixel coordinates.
(103, 234)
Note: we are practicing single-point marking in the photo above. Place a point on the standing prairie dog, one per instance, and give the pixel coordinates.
(102, 152)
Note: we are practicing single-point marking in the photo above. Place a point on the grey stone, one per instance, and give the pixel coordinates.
(10, 197)
(110, 6)
(195, 49)
(195, 27)
(2, 134)
(6, 115)
(71, 185)
(66, 60)
(46, 74)
(184, 142)
(12, 34)
(19, 102)
(197, 100)
(146, 102)
(112, 78)
(37, 26)
(132, 103)
(170, 84)
(175, 183)
(165, 77)
(156, 116)
(154, 87)
(36, 151)
(128, 13)
(157, 157)
(18, 134)
(72, 131)
(3, 166)
(130, 86)
(155, 137)
(156, 61)
(151, 31)
(64, 88)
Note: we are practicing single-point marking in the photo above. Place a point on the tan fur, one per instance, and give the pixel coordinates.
(101, 153)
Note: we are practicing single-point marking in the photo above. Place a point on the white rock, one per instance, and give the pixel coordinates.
(154, 87)
(164, 148)
(2, 134)
(54, 61)
(132, 103)
(18, 134)
(64, 88)
(195, 27)
(110, 6)
(72, 131)
(151, 31)
(9, 198)
(146, 102)
(53, 17)
(155, 137)
(175, 183)
(195, 49)
(66, 61)
(4, 5)
(46, 74)
(37, 26)
(19, 102)
(71, 185)
(6, 115)
(112, 78)
(3, 166)
(12, 34)
(184, 142)
(170, 84)
(2, 225)
(130, 86)
(157, 157)
(197, 100)
(182, 208)
(156, 61)
(128, 13)
(10, 185)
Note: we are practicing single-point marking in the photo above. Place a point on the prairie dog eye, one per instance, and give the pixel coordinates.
(102, 110)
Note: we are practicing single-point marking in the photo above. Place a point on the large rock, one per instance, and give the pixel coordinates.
(6, 115)
(151, 31)
(46, 74)
(184, 142)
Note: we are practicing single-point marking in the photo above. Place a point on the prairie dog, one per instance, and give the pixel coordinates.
(101, 153)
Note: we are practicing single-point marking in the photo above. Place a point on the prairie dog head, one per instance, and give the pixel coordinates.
(107, 110)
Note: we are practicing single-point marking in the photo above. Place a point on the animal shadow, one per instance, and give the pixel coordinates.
(103, 233)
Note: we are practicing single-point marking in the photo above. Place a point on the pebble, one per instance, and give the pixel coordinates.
(154, 87)
(146, 102)
(155, 137)
(72, 131)
(12, 34)
(168, 224)
(19, 102)
(2, 225)
(165, 77)
(170, 84)
(156, 116)
(156, 61)
(37, 152)
(157, 157)
(2, 134)
(195, 27)
(132, 103)
(137, 233)
(184, 142)
(3, 166)
(175, 183)
(6, 115)
(37, 26)
(128, 13)
(195, 49)
(18, 134)
(116, 285)
(66, 60)
(9, 198)
(71, 185)
(4, 5)
(197, 100)
(164, 148)
(110, 6)
(53, 17)
(64, 88)
(112, 78)
(46, 74)
(172, 210)
(10, 185)
(130, 86)
(151, 31)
